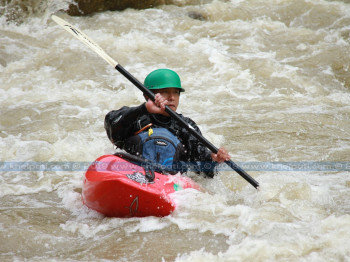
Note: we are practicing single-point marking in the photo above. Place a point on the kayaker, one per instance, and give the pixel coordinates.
(148, 131)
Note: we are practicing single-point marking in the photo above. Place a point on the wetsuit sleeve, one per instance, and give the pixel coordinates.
(197, 152)
(118, 123)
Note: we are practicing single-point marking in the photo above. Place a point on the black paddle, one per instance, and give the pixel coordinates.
(86, 40)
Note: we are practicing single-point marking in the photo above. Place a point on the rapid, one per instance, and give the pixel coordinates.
(269, 80)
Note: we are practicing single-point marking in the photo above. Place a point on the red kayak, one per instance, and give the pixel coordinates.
(116, 187)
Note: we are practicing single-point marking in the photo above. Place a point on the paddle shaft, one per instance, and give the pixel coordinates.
(197, 135)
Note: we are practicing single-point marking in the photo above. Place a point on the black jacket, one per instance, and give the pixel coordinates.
(123, 123)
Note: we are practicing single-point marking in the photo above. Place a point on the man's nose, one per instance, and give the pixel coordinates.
(171, 96)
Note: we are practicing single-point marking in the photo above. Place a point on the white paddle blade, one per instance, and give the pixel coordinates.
(85, 39)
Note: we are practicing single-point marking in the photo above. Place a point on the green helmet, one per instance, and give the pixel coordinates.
(163, 78)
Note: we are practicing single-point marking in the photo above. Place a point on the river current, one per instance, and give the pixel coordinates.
(269, 80)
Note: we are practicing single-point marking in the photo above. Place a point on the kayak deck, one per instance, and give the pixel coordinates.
(116, 187)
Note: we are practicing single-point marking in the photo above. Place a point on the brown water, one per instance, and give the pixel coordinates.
(269, 80)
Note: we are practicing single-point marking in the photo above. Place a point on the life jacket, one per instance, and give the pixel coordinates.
(160, 146)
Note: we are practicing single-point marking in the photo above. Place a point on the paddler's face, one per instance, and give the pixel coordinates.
(172, 95)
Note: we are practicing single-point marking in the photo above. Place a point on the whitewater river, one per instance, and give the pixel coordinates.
(269, 80)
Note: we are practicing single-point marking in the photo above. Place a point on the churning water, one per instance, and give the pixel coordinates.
(269, 80)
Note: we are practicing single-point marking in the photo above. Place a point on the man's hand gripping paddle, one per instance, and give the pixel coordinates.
(95, 47)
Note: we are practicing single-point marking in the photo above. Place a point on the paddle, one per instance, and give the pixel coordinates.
(95, 47)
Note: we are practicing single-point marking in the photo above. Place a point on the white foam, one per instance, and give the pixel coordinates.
(266, 80)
